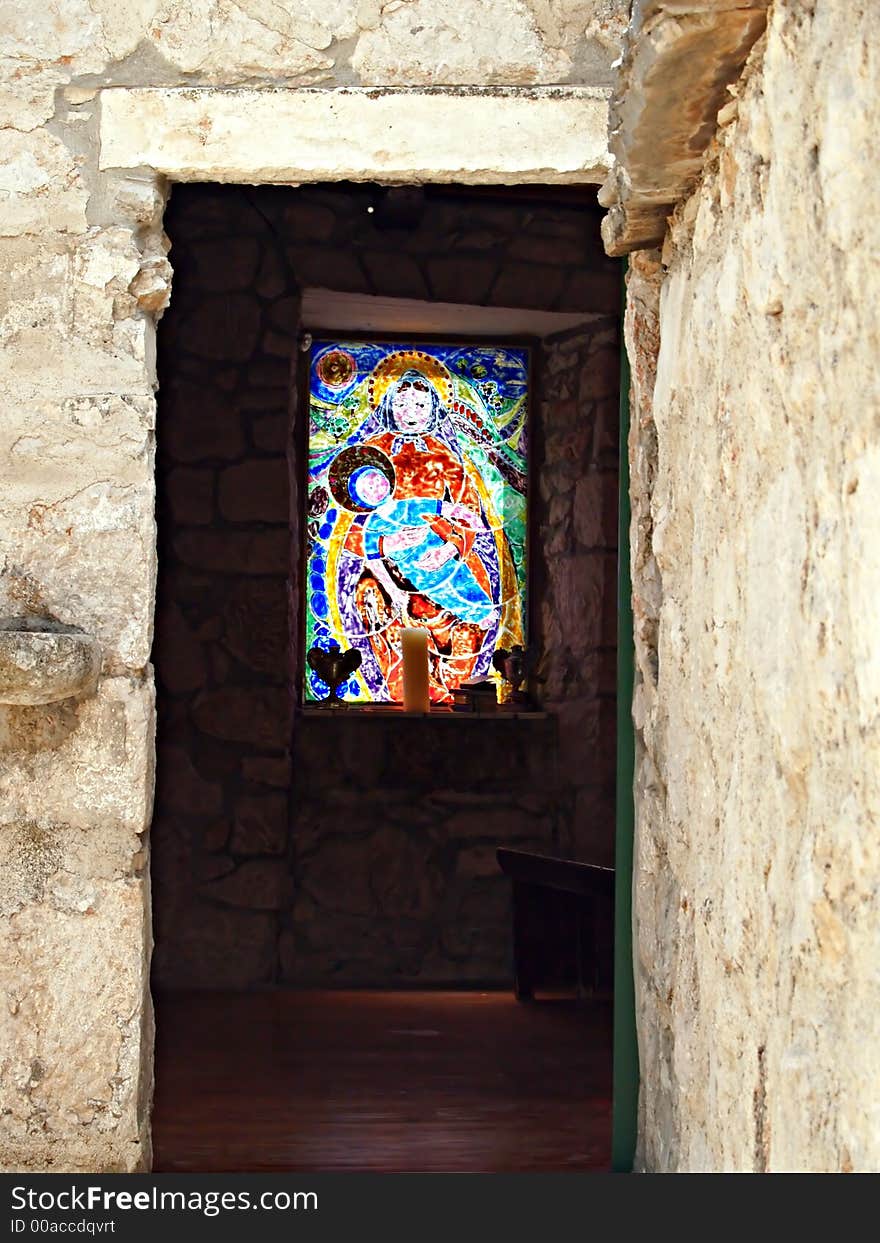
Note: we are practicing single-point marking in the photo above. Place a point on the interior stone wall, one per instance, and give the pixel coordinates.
(396, 822)
(370, 859)
(220, 840)
(756, 567)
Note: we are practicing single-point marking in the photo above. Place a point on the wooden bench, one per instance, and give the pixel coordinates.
(533, 876)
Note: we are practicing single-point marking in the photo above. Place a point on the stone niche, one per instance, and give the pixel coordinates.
(363, 853)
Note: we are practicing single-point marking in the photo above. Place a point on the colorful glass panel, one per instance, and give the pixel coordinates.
(417, 507)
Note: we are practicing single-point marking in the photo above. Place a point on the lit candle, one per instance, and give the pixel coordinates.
(414, 648)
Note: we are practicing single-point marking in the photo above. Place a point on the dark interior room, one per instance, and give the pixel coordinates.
(347, 972)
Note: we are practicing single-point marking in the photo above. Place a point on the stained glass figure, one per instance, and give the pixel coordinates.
(417, 507)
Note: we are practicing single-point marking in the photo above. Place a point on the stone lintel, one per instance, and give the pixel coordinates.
(472, 136)
(679, 56)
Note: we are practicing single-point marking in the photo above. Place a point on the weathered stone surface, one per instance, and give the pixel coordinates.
(256, 627)
(397, 277)
(78, 488)
(271, 432)
(191, 495)
(180, 788)
(225, 265)
(67, 544)
(225, 44)
(256, 714)
(268, 373)
(212, 867)
(756, 479)
(476, 931)
(267, 770)
(41, 188)
(224, 327)
(308, 222)
(497, 824)
(258, 884)
(44, 49)
(81, 967)
(328, 269)
(592, 291)
(260, 826)
(42, 664)
(235, 552)
(278, 345)
(595, 510)
(461, 279)
(199, 423)
(232, 947)
(68, 300)
(99, 776)
(592, 820)
(210, 42)
(575, 597)
(427, 42)
(284, 312)
(678, 58)
(255, 491)
(315, 135)
(521, 284)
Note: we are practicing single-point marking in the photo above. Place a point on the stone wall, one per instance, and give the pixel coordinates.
(756, 574)
(385, 871)
(344, 42)
(220, 840)
(576, 577)
(84, 278)
(396, 823)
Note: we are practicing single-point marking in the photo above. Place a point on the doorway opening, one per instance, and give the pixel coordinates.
(333, 931)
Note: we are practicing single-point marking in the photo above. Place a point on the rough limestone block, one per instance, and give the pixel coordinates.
(76, 514)
(450, 50)
(357, 135)
(84, 764)
(56, 560)
(76, 1031)
(226, 43)
(756, 565)
(67, 303)
(41, 187)
(43, 46)
(429, 42)
(677, 60)
(41, 663)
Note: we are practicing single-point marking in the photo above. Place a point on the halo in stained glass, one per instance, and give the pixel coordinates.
(352, 478)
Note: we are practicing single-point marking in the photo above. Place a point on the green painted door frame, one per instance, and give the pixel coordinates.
(626, 1053)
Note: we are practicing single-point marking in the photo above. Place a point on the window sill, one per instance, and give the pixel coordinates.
(501, 713)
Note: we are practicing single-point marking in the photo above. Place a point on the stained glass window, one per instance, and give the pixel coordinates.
(417, 509)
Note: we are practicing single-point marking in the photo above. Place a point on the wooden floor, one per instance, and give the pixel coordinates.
(382, 1081)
